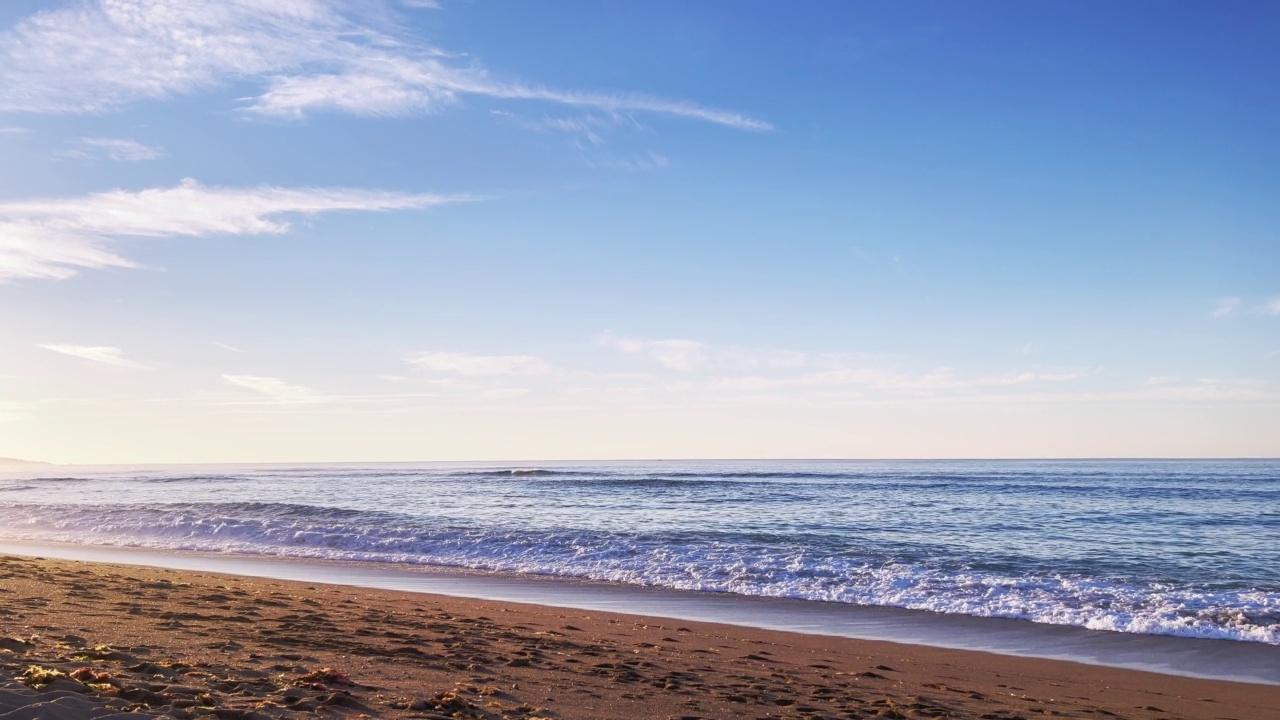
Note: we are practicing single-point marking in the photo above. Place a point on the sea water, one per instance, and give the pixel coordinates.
(1161, 547)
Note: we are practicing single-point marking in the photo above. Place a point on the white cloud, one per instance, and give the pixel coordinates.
(1270, 307)
(274, 388)
(682, 355)
(647, 161)
(12, 130)
(337, 55)
(737, 369)
(480, 365)
(588, 129)
(502, 393)
(119, 149)
(1226, 307)
(1214, 389)
(57, 237)
(97, 353)
(271, 394)
(622, 103)
(228, 348)
(887, 379)
(689, 355)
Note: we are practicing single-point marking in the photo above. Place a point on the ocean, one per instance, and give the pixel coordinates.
(1157, 547)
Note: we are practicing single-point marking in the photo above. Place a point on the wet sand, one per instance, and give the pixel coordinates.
(93, 640)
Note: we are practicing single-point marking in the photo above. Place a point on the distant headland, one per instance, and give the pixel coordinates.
(11, 462)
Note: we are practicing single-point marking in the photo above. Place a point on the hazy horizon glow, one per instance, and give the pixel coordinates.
(335, 231)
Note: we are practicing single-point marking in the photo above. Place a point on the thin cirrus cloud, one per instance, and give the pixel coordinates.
(689, 355)
(634, 163)
(307, 55)
(887, 380)
(273, 394)
(481, 365)
(118, 149)
(274, 388)
(1229, 307)
(1226, 307)
(737, 369)
(681, 355)
(97, 353)
(58, 237)
(589, 129)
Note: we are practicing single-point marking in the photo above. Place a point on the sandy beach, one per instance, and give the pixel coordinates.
(91, 640)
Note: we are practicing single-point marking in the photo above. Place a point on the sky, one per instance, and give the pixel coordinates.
(357, 230)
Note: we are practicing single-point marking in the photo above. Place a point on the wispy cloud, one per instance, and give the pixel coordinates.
(119, 149)
(682, 355)
(12, 411)
(228, 348)
(588, 129)
(271, 394)
(480, 365)
(883, 379)
(97, 353)
(13, 130)
(688, 355)
(647, 161)
(1226, 307)
(1211, 390)
(737, 369)
(1231, 306)
(57, 237)
(311, 55)
(1270, 307)
(274, 388)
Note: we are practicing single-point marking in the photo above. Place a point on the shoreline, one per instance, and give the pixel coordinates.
(257, 647)
(1227, 660)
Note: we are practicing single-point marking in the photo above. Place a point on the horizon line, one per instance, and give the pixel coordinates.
(17, 462)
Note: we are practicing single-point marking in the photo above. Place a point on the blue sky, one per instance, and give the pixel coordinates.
(329, 230)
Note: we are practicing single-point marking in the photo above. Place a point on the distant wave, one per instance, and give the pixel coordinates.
(513, 472)
(166, 479)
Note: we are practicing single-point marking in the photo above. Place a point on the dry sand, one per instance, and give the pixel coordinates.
(93, 640)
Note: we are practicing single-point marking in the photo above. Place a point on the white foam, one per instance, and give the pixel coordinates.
(777, 571)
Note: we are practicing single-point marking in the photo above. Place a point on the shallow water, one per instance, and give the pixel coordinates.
(1215, 659)
(1189, 548)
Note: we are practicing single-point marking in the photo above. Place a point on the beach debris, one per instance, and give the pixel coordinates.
(36, 677)
(88, 675)
(322, 678)
(451, 703)
(236, 714)
(102, 652)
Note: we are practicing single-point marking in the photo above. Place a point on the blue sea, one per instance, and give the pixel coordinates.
(1160, 547)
